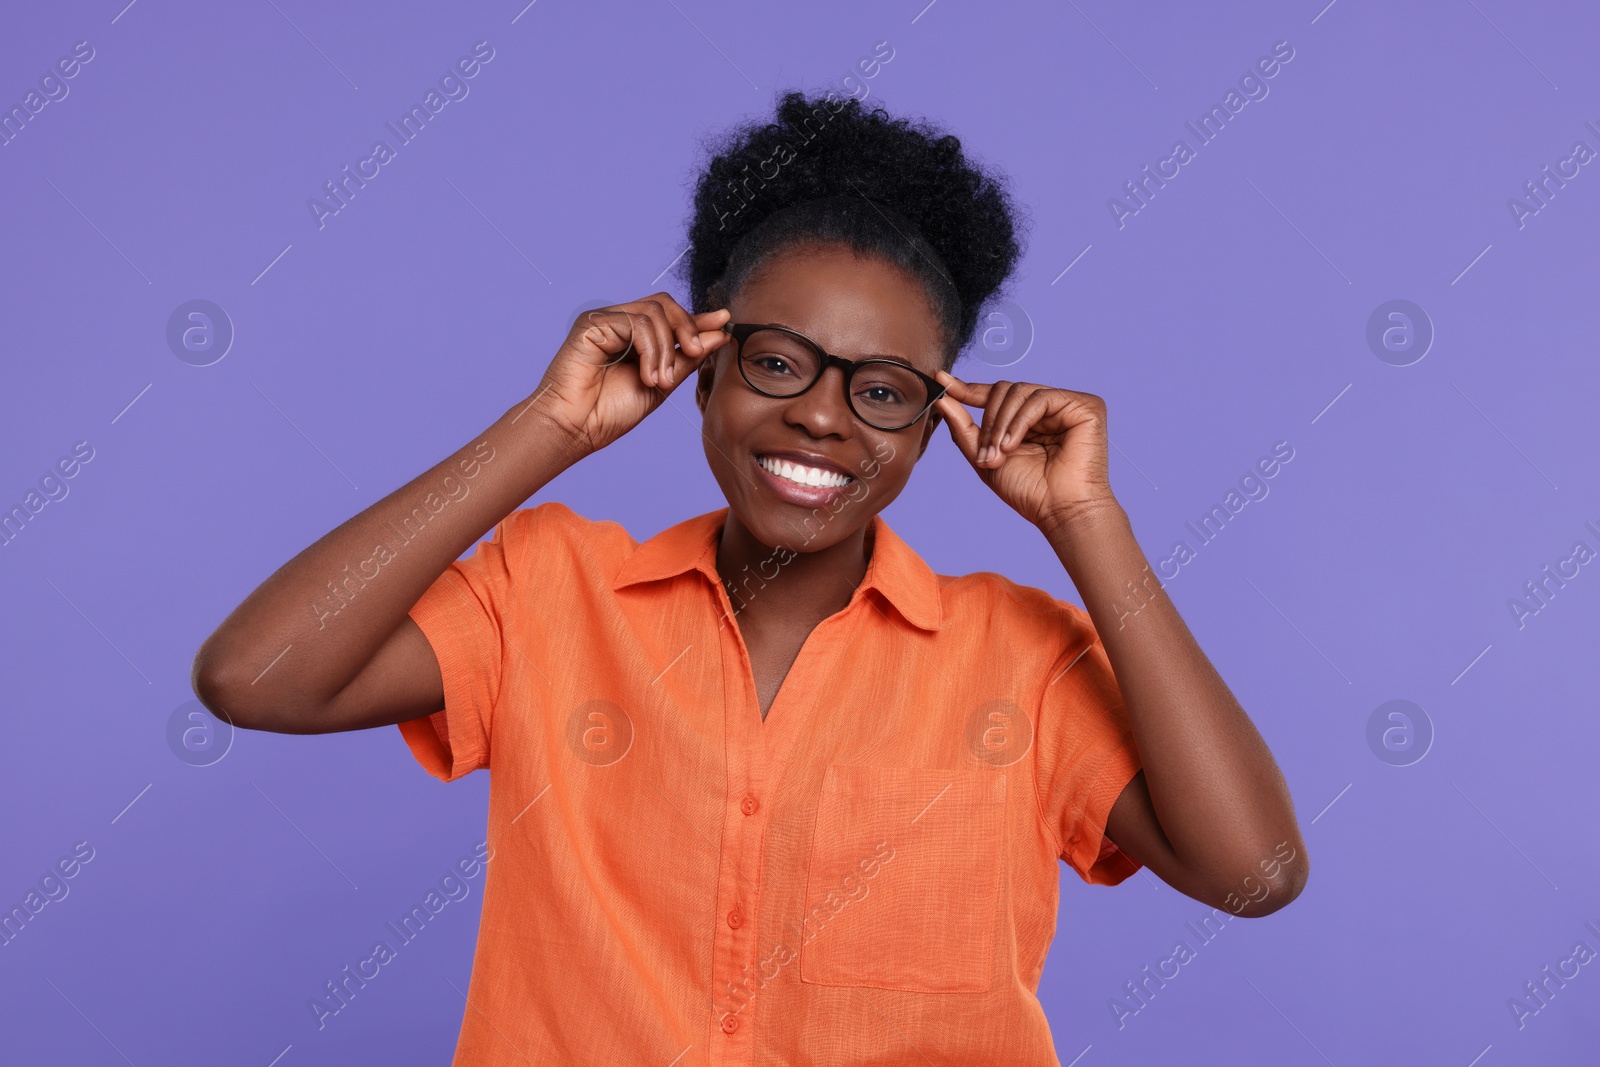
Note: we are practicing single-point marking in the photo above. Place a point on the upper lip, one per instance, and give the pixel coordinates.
(809, 459)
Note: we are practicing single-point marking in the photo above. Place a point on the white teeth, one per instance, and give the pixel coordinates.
(802, 475)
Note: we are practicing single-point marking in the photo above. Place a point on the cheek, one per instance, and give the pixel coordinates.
(882, 458)
(886, 469)
(724, 424)
(713, 438)
(714, 412)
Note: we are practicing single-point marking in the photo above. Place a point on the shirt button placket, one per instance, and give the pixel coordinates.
(736, 973)
(742, 944)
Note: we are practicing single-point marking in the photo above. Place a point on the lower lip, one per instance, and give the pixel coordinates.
(808, 496)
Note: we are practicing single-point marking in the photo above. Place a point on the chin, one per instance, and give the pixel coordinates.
(813, 530)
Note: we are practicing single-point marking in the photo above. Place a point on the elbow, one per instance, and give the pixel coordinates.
(1273, 886)
(1281, 892)
(218, 686)
(1275, 901)
(240, 702)
(214, 687)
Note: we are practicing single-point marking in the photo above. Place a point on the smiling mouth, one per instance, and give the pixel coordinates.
(803, 476)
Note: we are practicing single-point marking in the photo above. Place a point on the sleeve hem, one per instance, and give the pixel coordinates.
(1093, 855)
(429, 737)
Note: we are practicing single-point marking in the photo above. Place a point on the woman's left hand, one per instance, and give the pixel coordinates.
(1042, 450)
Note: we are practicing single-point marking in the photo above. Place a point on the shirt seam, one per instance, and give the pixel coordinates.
(1038, 803)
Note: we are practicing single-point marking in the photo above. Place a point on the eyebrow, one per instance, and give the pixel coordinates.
(869, 355)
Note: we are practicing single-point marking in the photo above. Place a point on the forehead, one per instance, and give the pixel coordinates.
(854, 306)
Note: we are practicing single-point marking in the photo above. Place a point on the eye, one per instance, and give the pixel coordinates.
(881, 394)
(887, 386)
(772, 364)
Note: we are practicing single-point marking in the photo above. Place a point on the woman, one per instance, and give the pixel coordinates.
(766, 788)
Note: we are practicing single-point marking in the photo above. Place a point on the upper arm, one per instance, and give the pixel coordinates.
(445, 654)
(1133, 827)
(402, 681)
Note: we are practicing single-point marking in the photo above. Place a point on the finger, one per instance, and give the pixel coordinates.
(991, 409)
(971, 393)
(644, 338)
(666, 336)
(683, 327)
(710, 324)
(711, 336)
(963, 431)
(706, 341)
(616, 333)
(661, 333)
(679, 365)
(1015, 429)
(610, 331)
(1007, 415)
(711, 341)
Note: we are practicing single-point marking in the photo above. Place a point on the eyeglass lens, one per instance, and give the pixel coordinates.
(883, 393)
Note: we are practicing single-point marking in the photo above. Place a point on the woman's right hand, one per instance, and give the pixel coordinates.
(619, 363)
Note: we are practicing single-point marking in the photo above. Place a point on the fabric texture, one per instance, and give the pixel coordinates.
(869, 876)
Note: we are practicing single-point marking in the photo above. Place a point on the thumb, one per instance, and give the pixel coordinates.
(684, 362)
(963, 431)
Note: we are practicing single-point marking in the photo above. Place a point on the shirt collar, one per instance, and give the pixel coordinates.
(895, 570)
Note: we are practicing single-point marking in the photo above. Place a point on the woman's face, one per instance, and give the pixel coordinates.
(856, 308)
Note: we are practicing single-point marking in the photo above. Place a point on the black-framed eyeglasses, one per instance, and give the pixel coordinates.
(886, 394)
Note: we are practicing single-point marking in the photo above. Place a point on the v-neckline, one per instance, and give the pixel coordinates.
(775, 740)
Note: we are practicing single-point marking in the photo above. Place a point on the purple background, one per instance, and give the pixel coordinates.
(1229, 314)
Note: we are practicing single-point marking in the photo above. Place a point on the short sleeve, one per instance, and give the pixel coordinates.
(1085, 752)
(462, 614)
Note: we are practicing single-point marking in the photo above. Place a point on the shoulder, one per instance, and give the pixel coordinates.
(534, 537)
(990, 601)
(553, 516)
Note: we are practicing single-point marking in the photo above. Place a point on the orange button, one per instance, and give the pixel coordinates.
(749, 805)
(735, 918)
(729, 1024)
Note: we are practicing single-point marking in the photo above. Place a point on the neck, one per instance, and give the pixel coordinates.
(768, 581)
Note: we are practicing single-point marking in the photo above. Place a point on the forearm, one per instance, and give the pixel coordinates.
(1216, 790)
(310, 628)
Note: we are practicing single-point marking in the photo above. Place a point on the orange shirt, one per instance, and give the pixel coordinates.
(867, 876)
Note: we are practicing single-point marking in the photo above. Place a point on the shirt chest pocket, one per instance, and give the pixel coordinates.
(903, 886)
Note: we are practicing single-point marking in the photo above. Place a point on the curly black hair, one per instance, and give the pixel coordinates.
(826, 170)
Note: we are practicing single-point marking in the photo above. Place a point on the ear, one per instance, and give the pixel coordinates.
(705, 377)
(934, 415)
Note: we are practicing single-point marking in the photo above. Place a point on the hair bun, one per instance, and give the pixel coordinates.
(826, 169)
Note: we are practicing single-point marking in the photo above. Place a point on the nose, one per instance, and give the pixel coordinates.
(822, 409)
